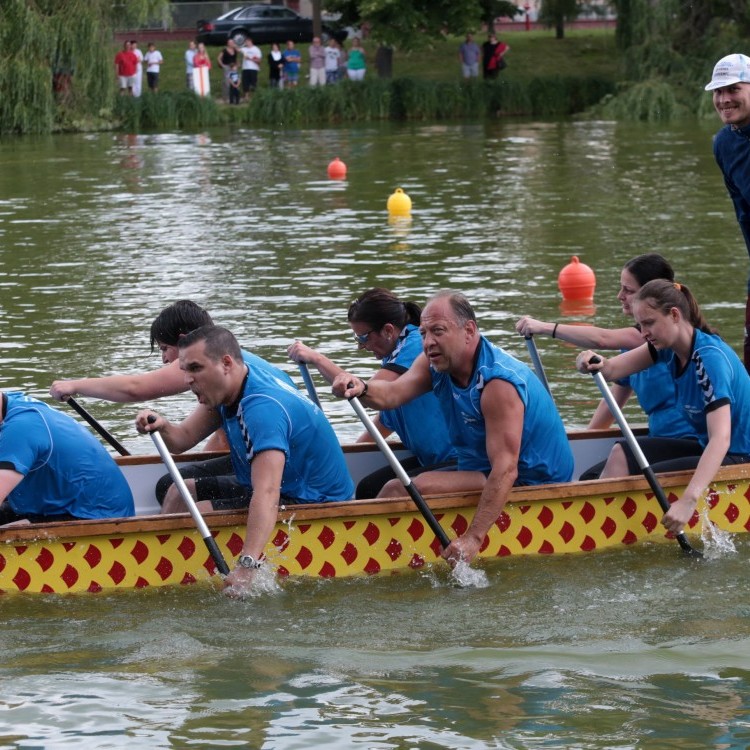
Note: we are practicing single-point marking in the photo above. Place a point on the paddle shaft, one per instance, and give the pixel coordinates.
(311, 392)
(403, 477)
(187, 498)
(640, 457)
(537, 361)
(111, 439)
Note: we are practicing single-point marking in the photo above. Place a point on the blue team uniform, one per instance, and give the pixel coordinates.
(66, 470)
(545, 454)
(654, 389)
(713, 377)
(418, 423)
(253, 361)
(272, 414)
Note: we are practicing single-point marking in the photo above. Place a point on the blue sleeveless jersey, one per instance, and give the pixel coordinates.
(545, 454)
(713, 376)
(65, 468)
(274, 415)
(418, 423)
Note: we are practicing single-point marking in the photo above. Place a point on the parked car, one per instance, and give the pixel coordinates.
(264, 24)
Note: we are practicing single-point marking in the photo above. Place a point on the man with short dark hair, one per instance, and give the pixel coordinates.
(283, 448)
(730, 84)
(126, 64)
(500, 418)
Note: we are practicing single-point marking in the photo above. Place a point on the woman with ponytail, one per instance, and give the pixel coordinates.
(711, 387)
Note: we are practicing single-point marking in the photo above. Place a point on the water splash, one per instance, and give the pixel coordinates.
(467, 577)
(717, 543)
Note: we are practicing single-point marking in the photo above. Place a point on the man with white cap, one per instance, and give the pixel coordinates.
(730, 84)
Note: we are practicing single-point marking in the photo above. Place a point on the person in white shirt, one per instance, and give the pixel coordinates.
(153, 61)
(333, 61)
(138, 83)
(251, 57)
(189, 55)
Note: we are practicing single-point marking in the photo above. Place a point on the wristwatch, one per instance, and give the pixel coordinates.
(248, 561)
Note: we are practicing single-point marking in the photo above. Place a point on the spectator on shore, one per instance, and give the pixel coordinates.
(356, 65)
(317, 54)
(333, 60)
(469, 54)
(275, 66)
(226, 58)
(234, 84)
(292, 60)
(154, 62)
(202, 63)
(138, 82)
(251, 59)
(126, 63)
(189, 55)
(493, 57)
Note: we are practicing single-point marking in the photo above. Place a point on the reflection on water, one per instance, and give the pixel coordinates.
(99, 232)
(639, 648)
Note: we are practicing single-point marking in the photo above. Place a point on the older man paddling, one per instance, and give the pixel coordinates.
(500, 417)
(730, 84)
(283, 448)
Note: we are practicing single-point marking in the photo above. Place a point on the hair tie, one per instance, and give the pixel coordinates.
(677, 286)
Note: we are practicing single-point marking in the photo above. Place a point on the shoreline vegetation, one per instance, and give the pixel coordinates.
(545, 77)
(588, 73)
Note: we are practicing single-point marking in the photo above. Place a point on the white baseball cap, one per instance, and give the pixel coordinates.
(730, 69)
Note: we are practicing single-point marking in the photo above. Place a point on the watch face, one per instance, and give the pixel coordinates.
(248, 561)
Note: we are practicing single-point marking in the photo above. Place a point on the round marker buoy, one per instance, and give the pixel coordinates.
(399, 203)
(337, 169)
(576, 281)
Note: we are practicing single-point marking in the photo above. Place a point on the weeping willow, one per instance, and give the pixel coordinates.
(56, 65)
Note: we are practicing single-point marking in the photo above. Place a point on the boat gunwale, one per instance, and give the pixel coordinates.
(528, 495)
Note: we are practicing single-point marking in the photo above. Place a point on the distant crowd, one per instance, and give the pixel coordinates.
(241, 67)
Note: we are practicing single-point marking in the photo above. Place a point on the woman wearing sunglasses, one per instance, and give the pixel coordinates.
(389, 328)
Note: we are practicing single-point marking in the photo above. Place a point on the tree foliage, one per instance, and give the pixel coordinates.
(56, 63)
(409, 25)
(556, 12)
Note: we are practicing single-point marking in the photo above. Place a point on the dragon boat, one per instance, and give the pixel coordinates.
(355, 538)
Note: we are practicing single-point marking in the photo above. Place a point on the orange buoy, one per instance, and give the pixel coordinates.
(399, 203)
(576, 280)
(337, 169)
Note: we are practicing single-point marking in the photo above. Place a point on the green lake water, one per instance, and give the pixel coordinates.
(638, 648)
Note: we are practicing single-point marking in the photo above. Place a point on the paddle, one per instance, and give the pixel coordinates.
(187, 498)
(648, 472)
(311, 392)
(536, 360)
(405, 479)
(106, 435)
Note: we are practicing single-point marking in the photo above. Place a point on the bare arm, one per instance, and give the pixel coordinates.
(199, 424)
(383, 394)
(266, 472)
(582, 335)
(166, 381)
(299, 352)
(9, 480)
(616, 368)
(602, 417)
(503, 414)
(719, 424)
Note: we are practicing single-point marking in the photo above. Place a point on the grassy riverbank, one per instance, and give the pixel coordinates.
(545, 76)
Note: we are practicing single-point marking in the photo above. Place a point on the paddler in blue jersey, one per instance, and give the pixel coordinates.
(502, 421)
(53, 469)
(282, 446)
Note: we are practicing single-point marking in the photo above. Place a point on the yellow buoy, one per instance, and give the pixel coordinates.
(399, 203)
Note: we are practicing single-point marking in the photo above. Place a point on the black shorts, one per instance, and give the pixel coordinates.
(216, 482)
(249, 80)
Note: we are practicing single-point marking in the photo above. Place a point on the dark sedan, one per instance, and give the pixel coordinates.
(264, 24)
